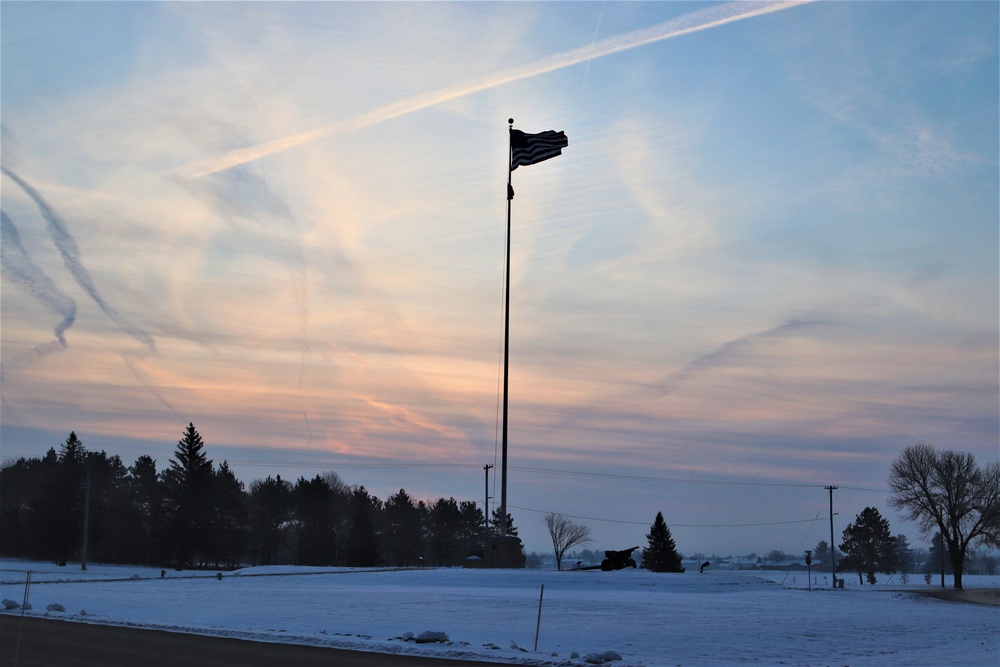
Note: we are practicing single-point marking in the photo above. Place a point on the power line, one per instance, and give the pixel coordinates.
(646, 478)
(677, 525)
(552, 471)
(301, 464)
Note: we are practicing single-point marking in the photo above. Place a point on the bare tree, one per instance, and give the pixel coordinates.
(947, 492)
(565, 534)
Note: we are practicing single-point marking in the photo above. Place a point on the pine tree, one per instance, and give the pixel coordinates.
(314, 506)
(661, 554)
(146, 493)
(939, 556)
(270, 509)
(868, 545)
(495, 523)
(473, 521)
(114, 521)
(63, 502)
(403, 538)
(230, 539)
(362, 540)
(189, 508)
(821, 554)
(445, 523)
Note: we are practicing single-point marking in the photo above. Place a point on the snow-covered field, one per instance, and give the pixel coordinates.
(716, 618)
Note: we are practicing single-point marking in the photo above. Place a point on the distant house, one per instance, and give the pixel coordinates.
(738, 563)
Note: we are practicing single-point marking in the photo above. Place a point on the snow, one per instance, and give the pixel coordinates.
(628, 617)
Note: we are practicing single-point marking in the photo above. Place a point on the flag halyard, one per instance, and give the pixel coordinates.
(527, 149)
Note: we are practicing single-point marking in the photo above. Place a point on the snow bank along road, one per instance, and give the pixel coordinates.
(649, 619)
(47, 642)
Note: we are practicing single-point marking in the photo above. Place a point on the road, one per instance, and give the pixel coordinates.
(55, 643)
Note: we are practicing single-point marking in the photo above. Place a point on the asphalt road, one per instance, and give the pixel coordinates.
(54, 643)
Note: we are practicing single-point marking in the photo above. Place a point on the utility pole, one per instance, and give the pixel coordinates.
(486, 502)
(833, 549)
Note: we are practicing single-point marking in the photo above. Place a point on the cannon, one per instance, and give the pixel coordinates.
(618, 560)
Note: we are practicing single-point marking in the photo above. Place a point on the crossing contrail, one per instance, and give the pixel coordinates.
(150, 388)
(70, 251)
(18, 266)
(696, 21)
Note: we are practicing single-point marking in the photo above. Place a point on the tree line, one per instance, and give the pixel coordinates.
(195, 514)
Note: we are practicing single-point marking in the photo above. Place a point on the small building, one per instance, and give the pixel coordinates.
(497, 552)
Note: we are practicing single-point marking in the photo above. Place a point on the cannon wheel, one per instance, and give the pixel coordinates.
(606, 565)
(631, 563)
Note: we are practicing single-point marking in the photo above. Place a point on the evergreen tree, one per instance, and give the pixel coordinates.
(403, 536)
(115, 523)
(62, 505)
(232, 516)
(188, 506)
(495, 523)
(821, 554)
(18, 487)
(315, 511)
(270, 510)
(868, 545)
(445, 523)
(903, 554)
(473, 523)
(44, 507)
(661, 554)
(938, 557)
(147, 497)
(362, 540)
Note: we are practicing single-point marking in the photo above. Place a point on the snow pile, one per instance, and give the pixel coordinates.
(426, 637)
(601, 658)
(622, 619)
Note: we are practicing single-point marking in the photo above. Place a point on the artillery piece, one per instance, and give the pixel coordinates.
(618, 560)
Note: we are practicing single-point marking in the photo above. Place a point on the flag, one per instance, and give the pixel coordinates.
(528, 149)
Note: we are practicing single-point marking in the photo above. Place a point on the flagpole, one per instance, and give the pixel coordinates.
(506, 346)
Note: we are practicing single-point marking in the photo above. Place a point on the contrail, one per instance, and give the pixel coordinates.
(149, 388)
(70, 252)
(597, 31)
(723, 354)
(696, 21)
(16, 264)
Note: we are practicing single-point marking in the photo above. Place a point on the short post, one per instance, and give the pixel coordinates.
(809, 562)
(538, 625)
(20, 627)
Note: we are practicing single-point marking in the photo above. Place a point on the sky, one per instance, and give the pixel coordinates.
(766, 262)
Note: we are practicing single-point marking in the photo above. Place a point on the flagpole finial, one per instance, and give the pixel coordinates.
(510, 121)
